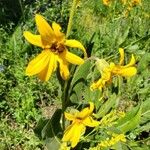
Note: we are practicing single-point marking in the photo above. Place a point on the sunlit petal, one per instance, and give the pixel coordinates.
(121, 51)
(56, 27)
(72, 58)
(45, 30)
(90, 122)
(68, 133)
(75, 44)
(79, 129)
(45, 74)
(63, 66)
(132, 62)
(69, 116)
(126, 72)
(38, 63)
(33, 39)
(86, 111)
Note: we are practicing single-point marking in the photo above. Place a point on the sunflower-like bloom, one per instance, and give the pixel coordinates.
(110, 70)
(79, 122)
(54, 46)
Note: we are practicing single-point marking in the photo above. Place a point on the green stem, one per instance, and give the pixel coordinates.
(72, 11)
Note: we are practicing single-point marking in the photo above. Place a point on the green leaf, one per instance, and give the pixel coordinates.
(106, 106)
(79, 81)
(131, 120)
(47, 128)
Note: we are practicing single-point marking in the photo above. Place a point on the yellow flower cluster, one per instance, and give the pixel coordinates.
(77, 128)
(124, 2)
(114, 139)
(54, 46)
(110, 70)
(110, 119)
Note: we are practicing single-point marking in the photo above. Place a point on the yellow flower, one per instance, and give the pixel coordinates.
(79, 122)
(106, 2)
(54, 46)
(110, 70)
(136, 2)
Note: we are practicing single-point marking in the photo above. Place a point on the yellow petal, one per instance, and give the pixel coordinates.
(121, 51)
(45, 74)
(73, 59)
(76, 44)
(38, 63)
(68, 133)
(33, 39)
(86, 112)
(132, 62)
(79, 129)
(125, 72)
(69, 116)
(63, 66)
(45, 30)
(97, 85)
(73, 133)
(90, 122)
(56, 27)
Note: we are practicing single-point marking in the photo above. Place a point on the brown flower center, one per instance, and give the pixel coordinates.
(57, 48)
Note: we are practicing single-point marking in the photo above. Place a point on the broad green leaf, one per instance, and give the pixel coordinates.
(106, 106)
(131, 120)
(79, 81)
(81, 72)
(144, 62)
(122, 38)
(94, 96)
(47, 128)
(52, 143)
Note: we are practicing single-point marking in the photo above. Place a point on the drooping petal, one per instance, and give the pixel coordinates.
(63, 66)
(121, 51)
(73, 59)
(86, 111)
(76, 44)
(59, 35)
(69, 116)
(79, 129)
(125, 72)
(45, 74)
(68, 133)
(45, 30)
(73, 133)
(89, 121)
(38, 63)
(97, 85)
(132, 62)
(33, 39)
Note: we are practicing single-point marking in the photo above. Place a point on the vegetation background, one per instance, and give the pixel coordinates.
(102, 29)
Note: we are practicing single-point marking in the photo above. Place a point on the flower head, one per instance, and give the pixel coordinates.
(109, 70)
(54, 46)
(79, 122)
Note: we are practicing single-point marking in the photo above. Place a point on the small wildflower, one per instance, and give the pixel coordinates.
(54, 46)
(114, 139)
(106, 2)
(136, 2)
(109, 70)
(111, 118)
(79, 122)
